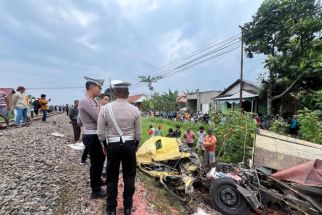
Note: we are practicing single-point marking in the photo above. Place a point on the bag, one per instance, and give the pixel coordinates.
(36, 104)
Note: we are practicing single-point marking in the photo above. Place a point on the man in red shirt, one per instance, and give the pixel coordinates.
(189, 137)
(210, 142)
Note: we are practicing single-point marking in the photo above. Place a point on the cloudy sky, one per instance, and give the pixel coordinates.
(55, 43)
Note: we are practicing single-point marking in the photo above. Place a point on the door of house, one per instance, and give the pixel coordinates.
(205, 108)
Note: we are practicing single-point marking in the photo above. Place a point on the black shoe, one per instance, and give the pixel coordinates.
(98, 194)
(108, 212)
(127, 211)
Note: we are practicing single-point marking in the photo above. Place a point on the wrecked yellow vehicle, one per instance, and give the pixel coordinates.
(172, 162)
(233, 189)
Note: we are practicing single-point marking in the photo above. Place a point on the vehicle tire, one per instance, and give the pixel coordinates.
(226, 199)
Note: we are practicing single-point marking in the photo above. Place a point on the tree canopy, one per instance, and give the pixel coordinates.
(288, 33)
(166, 102)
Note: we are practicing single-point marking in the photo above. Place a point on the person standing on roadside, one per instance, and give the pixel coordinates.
(36, 106)
(158, 132)
(43, 102)
(103, 99)
(210, 143)
(119, 130)
(177, 132)
(20, 102)
(88, 112)
(67, 109)
(4, 107)
(189, 137)
(73, 114)
(201, 135)
(31, 108)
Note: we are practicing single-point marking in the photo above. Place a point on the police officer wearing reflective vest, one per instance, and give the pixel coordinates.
(119, 130)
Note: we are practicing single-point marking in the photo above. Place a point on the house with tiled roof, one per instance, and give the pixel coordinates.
(137, 100)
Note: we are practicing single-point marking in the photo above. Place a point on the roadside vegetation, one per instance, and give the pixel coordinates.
(310, 123)
(234, 137)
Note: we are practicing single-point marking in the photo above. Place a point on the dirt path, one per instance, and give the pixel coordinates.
(40, 174)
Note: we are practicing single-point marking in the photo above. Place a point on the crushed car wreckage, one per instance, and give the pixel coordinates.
(233, 189)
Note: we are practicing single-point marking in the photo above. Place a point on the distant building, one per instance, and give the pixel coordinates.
(137, 100)
(201, 101)
(10, 92)
(230, 98)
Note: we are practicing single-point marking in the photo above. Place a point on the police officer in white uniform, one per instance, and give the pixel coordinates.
(119, 130)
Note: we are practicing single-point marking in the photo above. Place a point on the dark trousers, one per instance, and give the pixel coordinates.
(97, 160)
(117, 152)
(77, 130)
(37, 112)
(84, 155)
(44, 115)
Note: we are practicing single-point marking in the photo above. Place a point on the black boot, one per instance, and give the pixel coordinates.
(98, 194)
(127, 211)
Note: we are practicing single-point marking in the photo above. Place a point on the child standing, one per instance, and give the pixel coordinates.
(201, 135)
(151, 131)
(189, 137)
(158, 132)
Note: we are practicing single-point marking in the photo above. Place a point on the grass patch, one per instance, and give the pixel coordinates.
(163, 201)
(11, 117)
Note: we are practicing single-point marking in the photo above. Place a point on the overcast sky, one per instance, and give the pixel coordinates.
(55, 43)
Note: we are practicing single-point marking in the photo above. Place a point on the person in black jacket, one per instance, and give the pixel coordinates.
(73, 114)
(36, 106)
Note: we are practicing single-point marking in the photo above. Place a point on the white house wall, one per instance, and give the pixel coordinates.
(236, 89)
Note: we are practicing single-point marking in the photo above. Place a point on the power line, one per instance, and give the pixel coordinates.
(202, 56)
(210, 50)
(200, 50)
(195, 63)
(204, 60)
(212, 45)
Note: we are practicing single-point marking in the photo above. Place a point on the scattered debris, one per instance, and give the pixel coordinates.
(77, 146)
(200, 211)
(233, 189)
(55, 134)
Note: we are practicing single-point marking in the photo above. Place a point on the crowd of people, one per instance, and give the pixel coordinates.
(204, 142)
(179, 116)
(23, 107)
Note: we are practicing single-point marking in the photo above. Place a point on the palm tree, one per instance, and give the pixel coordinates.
(150, 80)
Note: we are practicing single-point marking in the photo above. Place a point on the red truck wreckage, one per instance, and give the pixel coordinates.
(232, 189)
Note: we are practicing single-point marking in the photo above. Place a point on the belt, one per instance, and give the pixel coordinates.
(118, 139)
(90, 132)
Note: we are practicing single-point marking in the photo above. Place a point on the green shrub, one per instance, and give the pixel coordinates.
(238, 130)
(280, 127)
(310, 126)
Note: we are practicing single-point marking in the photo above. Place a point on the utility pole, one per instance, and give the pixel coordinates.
(241, 69)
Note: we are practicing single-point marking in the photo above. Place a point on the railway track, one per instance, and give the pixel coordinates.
(37, 118)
